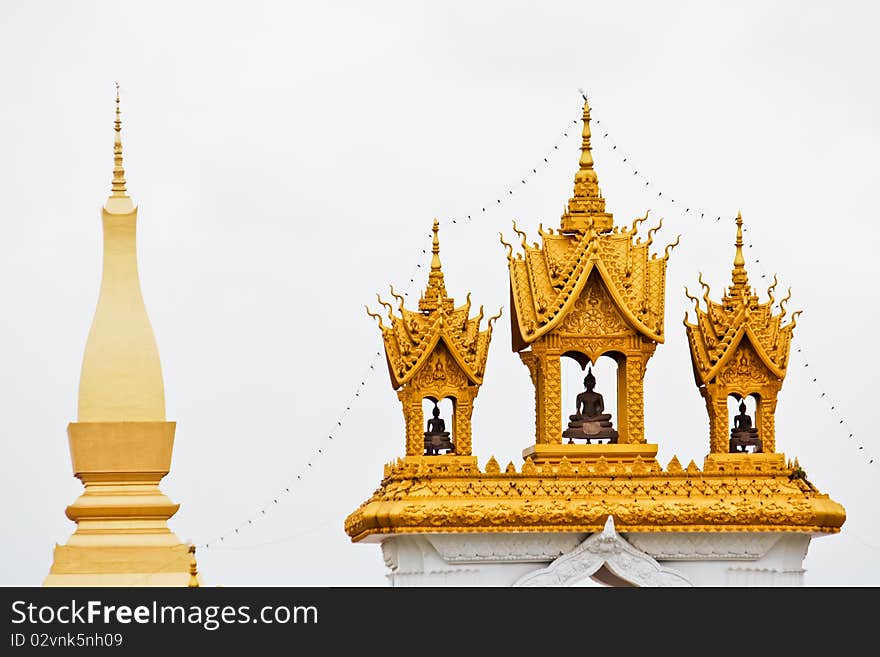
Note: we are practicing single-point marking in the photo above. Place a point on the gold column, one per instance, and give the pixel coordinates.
(552, 398)
(622, 405)
(412, 412)
(719, 421)
(461, 433)
(766, 423)
(634, 428)
(531, 361)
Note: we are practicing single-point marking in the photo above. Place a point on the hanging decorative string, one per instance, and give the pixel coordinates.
(687, 210)
(695, 213)
(524, 179)
(337, 429)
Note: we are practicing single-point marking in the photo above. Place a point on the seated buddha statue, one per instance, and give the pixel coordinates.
(743, 434)
(589, 421)
(436, 437)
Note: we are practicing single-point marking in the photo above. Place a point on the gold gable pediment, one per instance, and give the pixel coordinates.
(594, 313)
(540, 307)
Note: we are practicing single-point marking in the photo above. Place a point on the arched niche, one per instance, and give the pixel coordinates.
(608, 373)
(750, 405)
(446, 418)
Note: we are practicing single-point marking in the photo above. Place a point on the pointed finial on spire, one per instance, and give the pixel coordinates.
(118, 172)
(586, 161)
(740, 277)
(586, 207)
(193, 568)
(435, 248)
(435, 295)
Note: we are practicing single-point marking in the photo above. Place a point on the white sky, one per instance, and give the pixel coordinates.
(288, 160)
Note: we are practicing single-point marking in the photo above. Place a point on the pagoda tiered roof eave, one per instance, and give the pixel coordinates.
(733, 493)
(527, 318)
(474, 371)
(744, 331)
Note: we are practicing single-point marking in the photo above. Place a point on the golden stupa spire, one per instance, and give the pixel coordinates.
(118, 186)
(586, 173)
(121, 443)
(435, 293)
(586, 207)
(739, 275)
(121, 377)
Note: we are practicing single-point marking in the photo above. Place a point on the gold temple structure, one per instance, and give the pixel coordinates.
(121, 443)
(594, 288)
(739, 347)
(436, 352)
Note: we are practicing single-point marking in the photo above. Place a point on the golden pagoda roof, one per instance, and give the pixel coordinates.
(546, 280)
(413, 334)
(733, 492)
(721, 327)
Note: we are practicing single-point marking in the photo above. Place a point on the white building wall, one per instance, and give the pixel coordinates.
(577, 559)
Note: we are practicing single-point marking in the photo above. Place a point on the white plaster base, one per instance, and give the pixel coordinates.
(602, 559)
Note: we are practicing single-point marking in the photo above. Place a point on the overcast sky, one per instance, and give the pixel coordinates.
(288, 160)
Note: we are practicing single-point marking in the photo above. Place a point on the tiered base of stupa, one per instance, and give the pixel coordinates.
(122, 537)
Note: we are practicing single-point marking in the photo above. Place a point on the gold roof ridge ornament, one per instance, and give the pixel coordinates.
(438, 351)
(740, 348)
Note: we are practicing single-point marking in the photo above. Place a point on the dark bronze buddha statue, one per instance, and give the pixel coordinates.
(743, 434)
(589, 421)
(436, 437)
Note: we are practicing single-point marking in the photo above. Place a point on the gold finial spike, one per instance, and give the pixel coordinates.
(435, 295)
(435, 248)
(586, 161)
(740, 277)
(118, 172)
(739, 261)
(193, 568)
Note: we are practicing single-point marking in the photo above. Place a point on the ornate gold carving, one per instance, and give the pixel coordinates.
(436, 353)
(593, 289)
(739, 347)
(737, 494)
(551, 400)
(593, 313)
(635, 405)
(744, 369)
(440, 372)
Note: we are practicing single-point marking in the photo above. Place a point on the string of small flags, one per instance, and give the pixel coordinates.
(336, 430)
(317, 453)
(524, 179)
(690, 211)
(697, 214)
